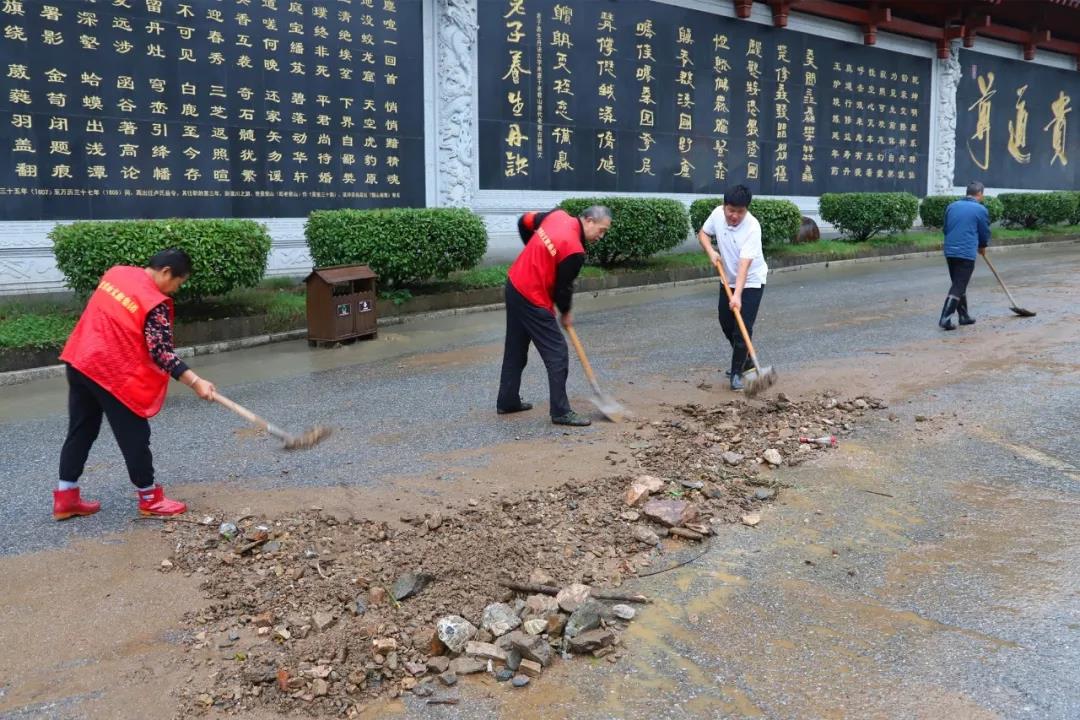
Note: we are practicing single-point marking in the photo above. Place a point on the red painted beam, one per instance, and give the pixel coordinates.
(780, 10)
(742, 8)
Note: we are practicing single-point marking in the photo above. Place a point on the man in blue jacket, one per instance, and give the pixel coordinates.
(967, 232)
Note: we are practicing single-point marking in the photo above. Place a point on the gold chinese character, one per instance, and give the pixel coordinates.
(646, 118)
(515, 31)
(607, 164)
(516, 69)
(605, 67)
(645, 29)
(563, 14)
(982, 126)
(13, 7)
(607, 22)
(1018, 129)
(646, 167)
(15, 32)
(647, 141)
(606, 46)
(606, 114)
(516, 7)
(562, 135)
(562, 162)
(1060, 108)
(686, 36)
(685, 168)
(517, 104)
(514, 136)
(515, 165)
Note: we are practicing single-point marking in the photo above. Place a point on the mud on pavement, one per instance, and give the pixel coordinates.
(321, 612)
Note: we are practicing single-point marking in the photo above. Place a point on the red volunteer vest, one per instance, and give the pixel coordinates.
(108, 344)
(533, 273)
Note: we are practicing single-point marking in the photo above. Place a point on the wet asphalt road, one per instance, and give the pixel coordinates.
(957, 597)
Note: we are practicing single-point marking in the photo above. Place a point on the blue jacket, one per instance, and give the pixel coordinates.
(967, 228)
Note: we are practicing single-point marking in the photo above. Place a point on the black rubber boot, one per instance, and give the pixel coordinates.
(736, 382)
(946, 322)
(522, 406)
(962, 312)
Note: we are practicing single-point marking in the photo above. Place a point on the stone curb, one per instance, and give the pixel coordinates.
(18, 377)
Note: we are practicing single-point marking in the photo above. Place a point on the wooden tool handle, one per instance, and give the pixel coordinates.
(251, 417)
(738, 314)
(581, 354)
(1000, 281)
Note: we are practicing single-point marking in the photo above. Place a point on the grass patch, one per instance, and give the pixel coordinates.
(36, 332)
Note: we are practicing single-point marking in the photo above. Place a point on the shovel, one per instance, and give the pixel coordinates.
(309, 439)
(759, 378)
(606, 404)
(1018, 310)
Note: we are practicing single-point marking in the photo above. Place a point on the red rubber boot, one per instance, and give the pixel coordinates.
(68, 504)
(152, 502)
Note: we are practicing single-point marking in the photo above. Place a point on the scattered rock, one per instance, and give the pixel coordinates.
(424, 689)
(504, 675)
(320, 688)
(589, 641)
(541, 605)
(535, 626)
(467, 666)
(672, 513)
(384, 646)
(448, 678)
(732, 458)
(533, 648)
(764, 494)
(586, 617)
(624, 612)
(555, 624)
(571, 598)
(540, 576)
(439, 664)
(530, 668)
(377, 596)
(454, 632)
(444, 699)
(644, 535)
(415, 668)
(921, 418)
(773, 457)
(520, 681)
(486, 651)
(434, 522)
(410, 584)
(630, 516)
(751, 519)
(499, 619)
(513, 659)
(641, 488)
(322, 620)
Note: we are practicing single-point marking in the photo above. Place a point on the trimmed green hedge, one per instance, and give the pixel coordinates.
(402, 245)
(861, 216)
(780, 219)
(1031, 210)
(1075, 219)
(225, 254)
(932, 209)
(640, 227)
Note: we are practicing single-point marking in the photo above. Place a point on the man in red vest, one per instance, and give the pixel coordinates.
(540, 280)
(119, 359)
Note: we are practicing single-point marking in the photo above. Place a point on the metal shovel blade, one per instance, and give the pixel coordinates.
(606, 404)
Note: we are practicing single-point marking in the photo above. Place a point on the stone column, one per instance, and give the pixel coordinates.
(943, 163)
(455, 23)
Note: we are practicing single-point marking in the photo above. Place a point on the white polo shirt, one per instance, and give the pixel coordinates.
(742, 242)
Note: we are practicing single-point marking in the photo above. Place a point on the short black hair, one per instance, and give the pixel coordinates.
(738, 196)
(974, 188)
(178, 261)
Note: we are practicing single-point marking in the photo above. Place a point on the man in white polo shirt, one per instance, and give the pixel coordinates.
(738, 235)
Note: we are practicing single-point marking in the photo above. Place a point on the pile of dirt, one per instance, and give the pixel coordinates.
(322, 612)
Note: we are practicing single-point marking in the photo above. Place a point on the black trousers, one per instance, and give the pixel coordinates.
(527, 323)
(960, 270)
(87, 402)
(751, 301)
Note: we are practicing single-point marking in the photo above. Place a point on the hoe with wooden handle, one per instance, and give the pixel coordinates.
(612, 410)
(759, 378)
(309, 439)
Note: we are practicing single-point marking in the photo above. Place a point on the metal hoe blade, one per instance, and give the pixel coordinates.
(606, 404)
(758, 380)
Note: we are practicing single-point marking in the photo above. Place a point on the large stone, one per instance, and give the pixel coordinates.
(586, 617)
(427, 641)
(485, 651)
(644, 535)
(438, 664)
(467, 666)
(541, 605)
(454, 632)
(571, 598)
(773, 457)
(624, 612)
(641, 488)
(556, 624)
(533, 647)
(410, 584)
(586, 642)
(732, 458)
(499, 619)
(673, 513)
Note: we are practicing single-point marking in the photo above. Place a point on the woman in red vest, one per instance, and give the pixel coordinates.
(119, 359)
(539, 281)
